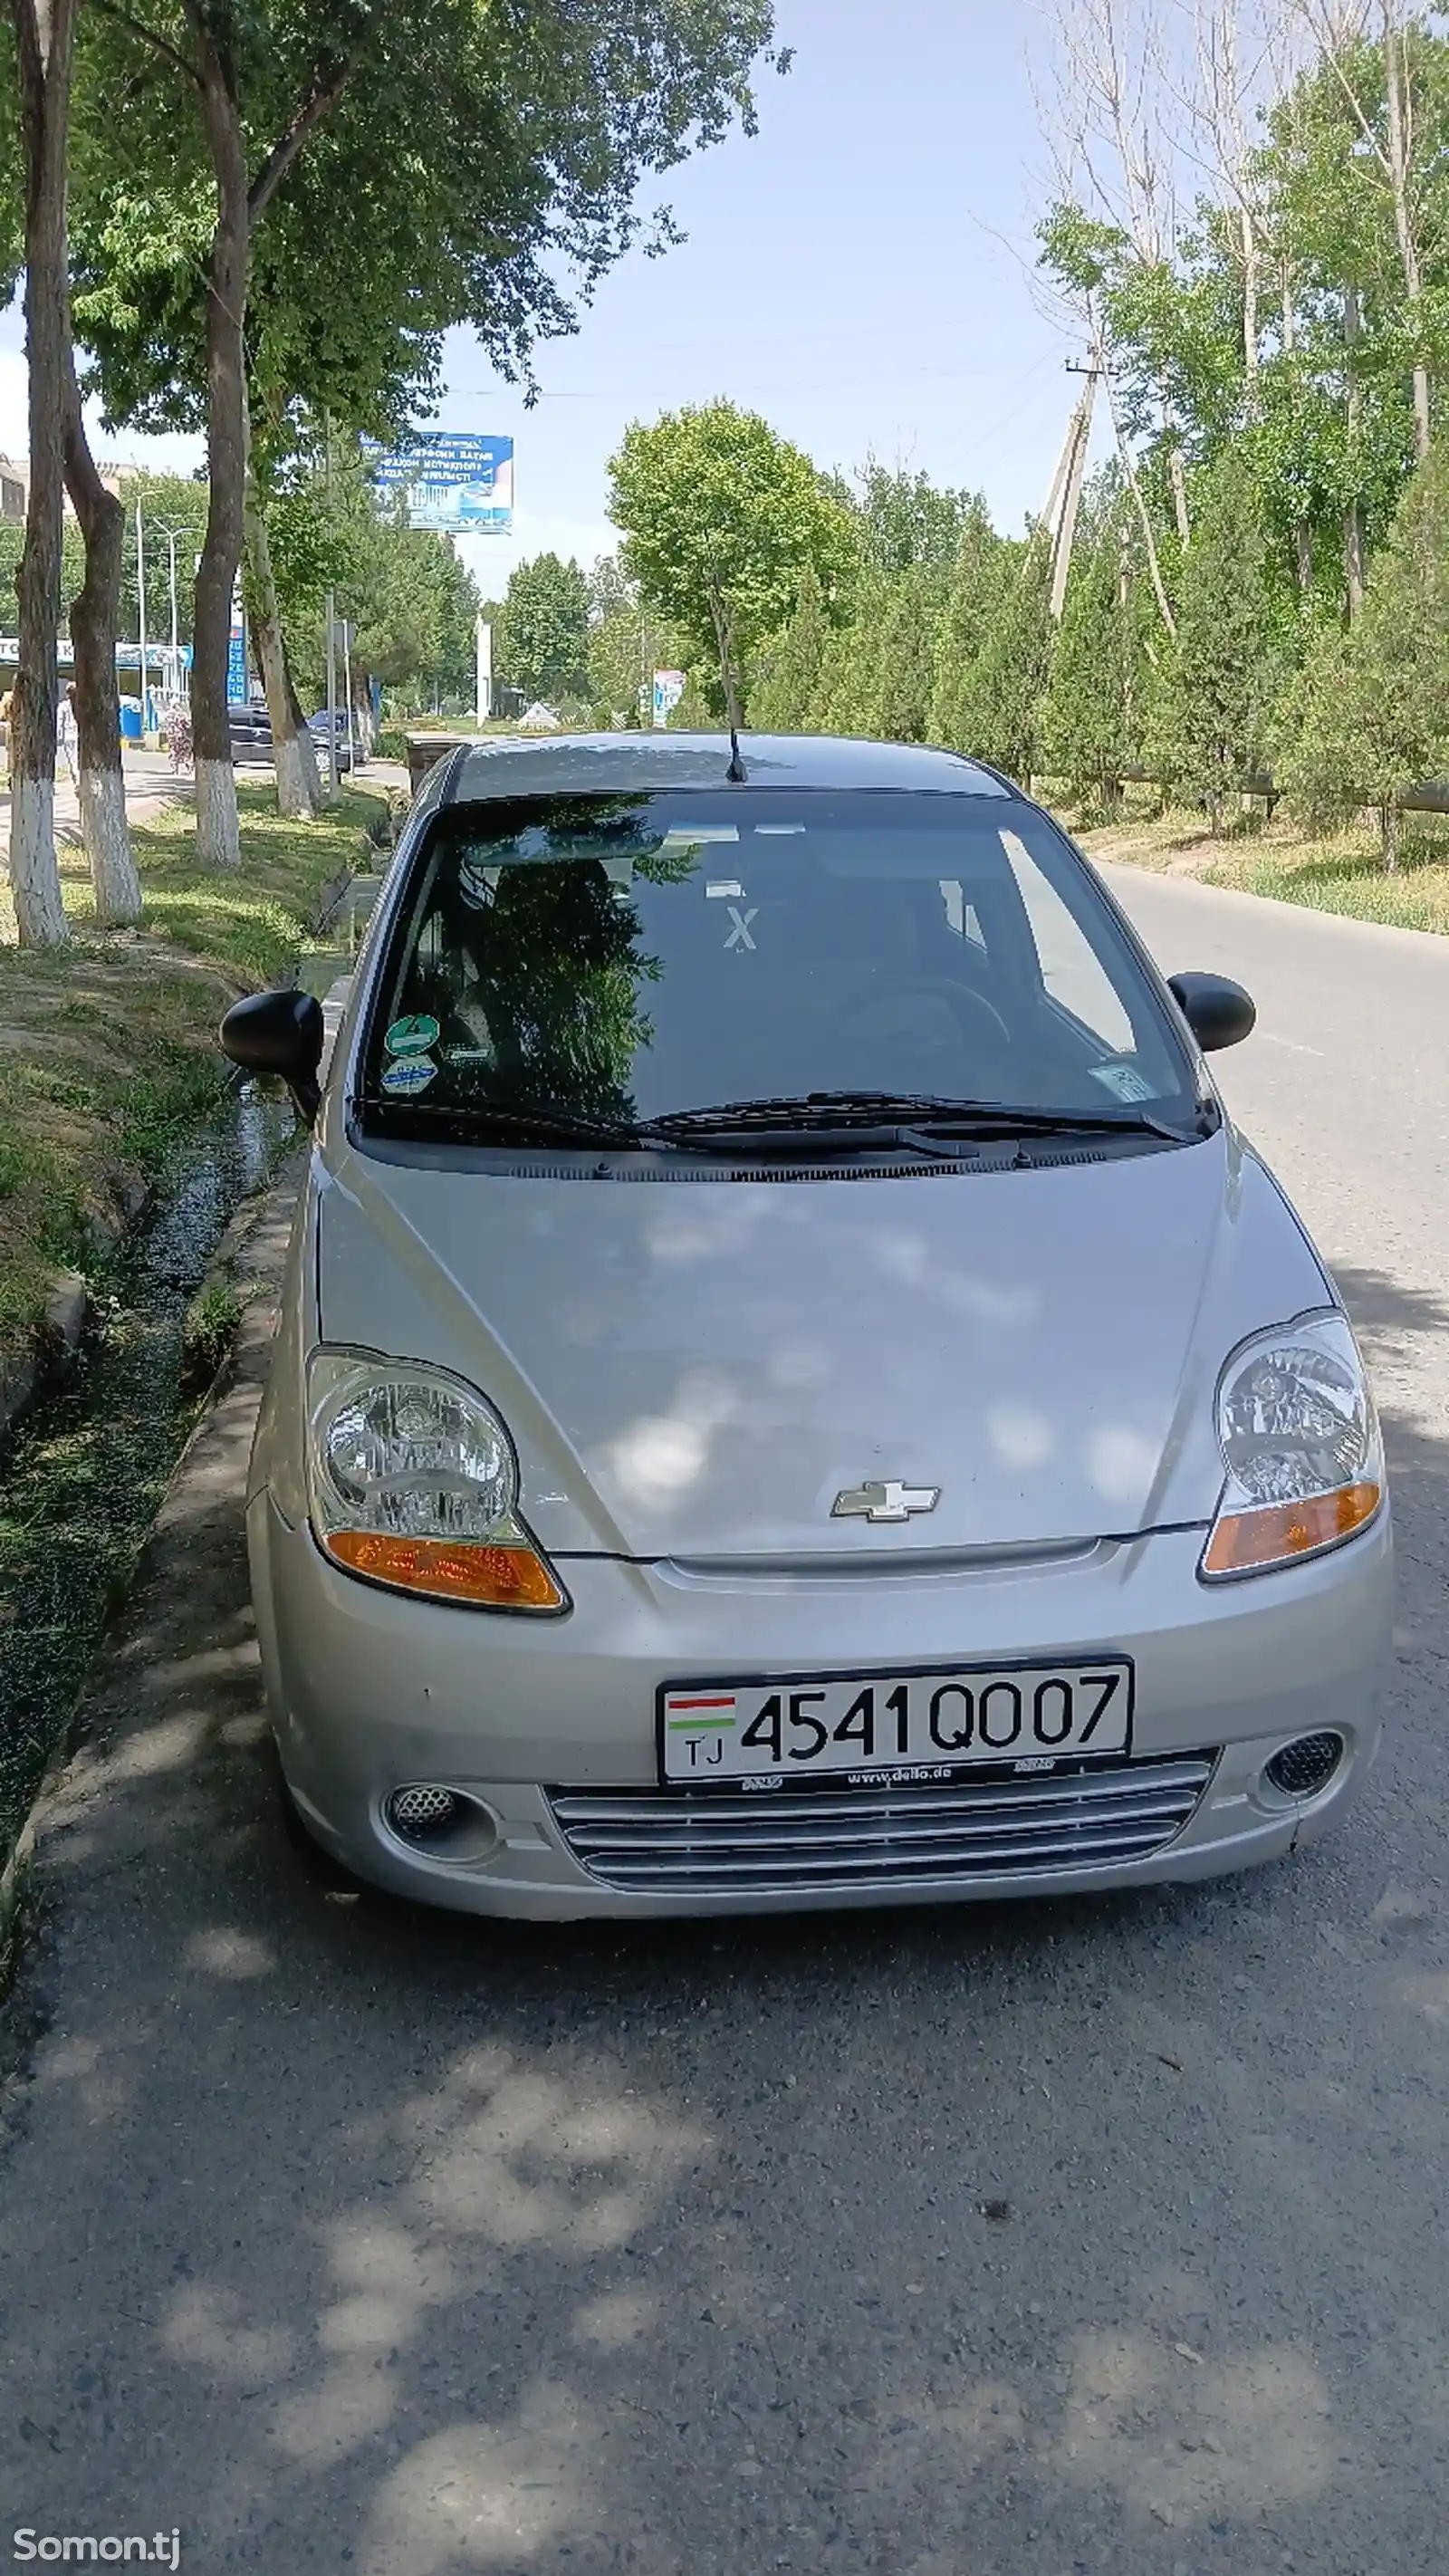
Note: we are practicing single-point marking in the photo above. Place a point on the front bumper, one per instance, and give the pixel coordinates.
(370, 1690)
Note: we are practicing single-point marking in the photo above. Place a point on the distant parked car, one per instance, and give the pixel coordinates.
(317, 727)
(251, 734)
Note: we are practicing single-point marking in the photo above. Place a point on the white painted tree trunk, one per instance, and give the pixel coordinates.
(293, 796)
(218, 842)
(34, 877)
(311, 766)
(294, 793)
(108, 847)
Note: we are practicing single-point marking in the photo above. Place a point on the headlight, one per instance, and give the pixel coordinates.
(1301, 1444)
(412, 1482)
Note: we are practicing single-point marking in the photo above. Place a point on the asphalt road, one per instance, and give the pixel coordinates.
(1098, 2240)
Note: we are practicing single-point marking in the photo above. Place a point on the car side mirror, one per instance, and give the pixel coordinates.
(1218, 1012)
(279, 1033)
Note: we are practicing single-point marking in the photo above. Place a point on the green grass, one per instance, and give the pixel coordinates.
(1340, 872)
(108, 1054)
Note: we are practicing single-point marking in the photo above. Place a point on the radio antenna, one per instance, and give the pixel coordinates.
(737, 774)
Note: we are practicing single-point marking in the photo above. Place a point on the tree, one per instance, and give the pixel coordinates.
(102, 786)
(1089, 719)
(904, 658)
(625, 647)
(539, 123)
(786, 698)
(44, 42)
(1368, 716)
(906, 519)
(1224, 667)
(720, 519)
(543, 645)
(966, 615)
(993, 699)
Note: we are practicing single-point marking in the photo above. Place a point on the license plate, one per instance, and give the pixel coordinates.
(866, 1730)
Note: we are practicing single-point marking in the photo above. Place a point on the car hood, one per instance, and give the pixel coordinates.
(697, 1370)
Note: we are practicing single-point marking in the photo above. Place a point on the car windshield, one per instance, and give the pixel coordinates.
(614, 960)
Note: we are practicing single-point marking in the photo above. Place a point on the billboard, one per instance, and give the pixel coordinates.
(453, 481)
(668, 690)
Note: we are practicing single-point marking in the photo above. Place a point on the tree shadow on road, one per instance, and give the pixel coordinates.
(1100, 2234)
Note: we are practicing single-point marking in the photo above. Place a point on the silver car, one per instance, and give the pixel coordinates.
(791, 1390)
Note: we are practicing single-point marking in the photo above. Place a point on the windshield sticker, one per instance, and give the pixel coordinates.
(412, 1037)
(692, 836)
(777, 831)
(1123, 1079)
(410, 1075)
(720, 887)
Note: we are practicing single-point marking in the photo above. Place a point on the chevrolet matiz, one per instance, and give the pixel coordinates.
(791, 1389)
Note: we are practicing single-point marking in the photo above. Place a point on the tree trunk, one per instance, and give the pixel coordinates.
(306, 740)
(218, 842)
(1179, 492)
(1389, 826)
(1303, 555)
(1252, 267)
(1396, 87)
(292, 789)
(363, 732)
(1353, 545)
(94, 617)
(734, 712)
(1134, 485)
(45, 35)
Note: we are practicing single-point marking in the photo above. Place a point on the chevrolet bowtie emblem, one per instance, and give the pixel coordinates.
(888, 1502)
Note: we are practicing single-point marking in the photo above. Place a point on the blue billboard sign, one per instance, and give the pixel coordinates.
(452, 481)
(236, 667)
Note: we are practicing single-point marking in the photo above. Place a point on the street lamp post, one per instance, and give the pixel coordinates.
(141, 607)
(172, 537)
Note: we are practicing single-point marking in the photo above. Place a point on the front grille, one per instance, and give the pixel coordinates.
(675, 1842)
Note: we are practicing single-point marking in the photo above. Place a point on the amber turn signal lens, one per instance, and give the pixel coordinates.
(1277, 1532)
(498, 1578)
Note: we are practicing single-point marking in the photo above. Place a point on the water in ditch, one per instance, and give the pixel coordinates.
(81, 1486)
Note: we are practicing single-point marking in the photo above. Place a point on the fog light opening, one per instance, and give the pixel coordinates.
(1300, 1769)
(440, 1822)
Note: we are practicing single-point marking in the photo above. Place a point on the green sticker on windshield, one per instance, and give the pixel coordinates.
(412, 1037)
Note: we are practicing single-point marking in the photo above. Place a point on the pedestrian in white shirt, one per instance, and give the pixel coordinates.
(67, 733)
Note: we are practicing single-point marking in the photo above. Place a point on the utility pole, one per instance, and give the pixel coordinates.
(332, 689)
(1067, 488)
(141, 607)
(347, 694)
(483, 696)
(171, 535)
(331, 635)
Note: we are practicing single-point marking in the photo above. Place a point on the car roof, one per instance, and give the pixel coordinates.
(614, 763)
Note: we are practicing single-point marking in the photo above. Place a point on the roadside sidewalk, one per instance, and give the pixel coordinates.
(151, 784)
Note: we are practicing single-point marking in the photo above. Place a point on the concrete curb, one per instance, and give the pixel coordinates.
(256, 1246)
(56, 1340)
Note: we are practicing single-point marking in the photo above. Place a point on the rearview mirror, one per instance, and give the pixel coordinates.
(279, 1033)
(1218, 1012)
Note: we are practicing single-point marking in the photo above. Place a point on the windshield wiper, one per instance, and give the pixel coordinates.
(872, 1116)
(472, 1117)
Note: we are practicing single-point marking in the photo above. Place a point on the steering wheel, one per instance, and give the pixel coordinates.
(937, 988)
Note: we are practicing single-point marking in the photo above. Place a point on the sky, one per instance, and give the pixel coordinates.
(858, 272)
